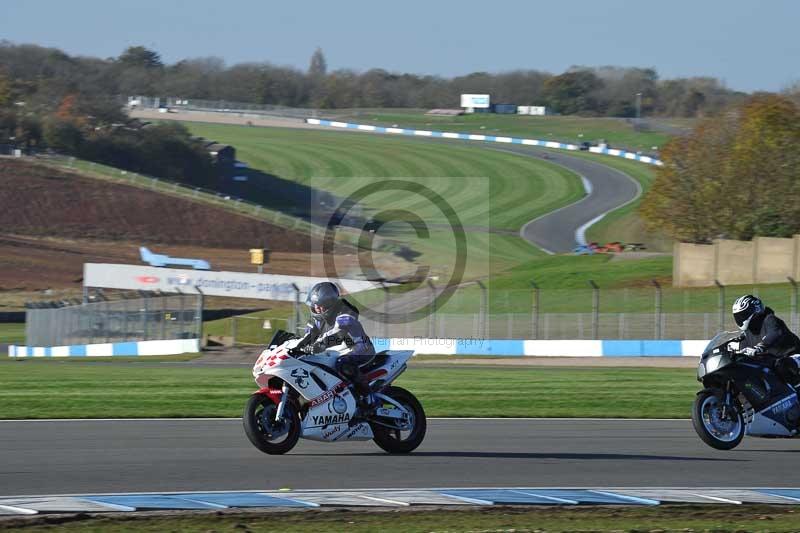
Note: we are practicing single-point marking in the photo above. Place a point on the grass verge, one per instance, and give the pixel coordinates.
(12, 333)
(148, 389)
(662, 519)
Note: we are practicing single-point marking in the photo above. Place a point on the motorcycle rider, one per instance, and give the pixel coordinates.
(767, 335)
(334, 321)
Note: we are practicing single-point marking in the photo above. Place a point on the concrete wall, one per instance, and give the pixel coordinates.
(762, 260)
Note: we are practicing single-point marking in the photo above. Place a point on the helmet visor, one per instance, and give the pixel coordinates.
(741, 317)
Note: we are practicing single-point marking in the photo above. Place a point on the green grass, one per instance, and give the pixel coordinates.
(618, 132)
(147, 389)
(662, 518)
(12, 334)
(485, 188)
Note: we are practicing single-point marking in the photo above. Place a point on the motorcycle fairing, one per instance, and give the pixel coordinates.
(331, 403)
(775, 420)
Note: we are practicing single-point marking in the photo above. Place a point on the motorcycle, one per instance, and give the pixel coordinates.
(302, 395)
(742, 396)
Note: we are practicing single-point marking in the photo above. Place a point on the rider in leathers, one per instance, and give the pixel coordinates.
(335, 321)
(766, 335)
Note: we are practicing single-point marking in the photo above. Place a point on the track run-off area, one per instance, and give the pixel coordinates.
(145, 455)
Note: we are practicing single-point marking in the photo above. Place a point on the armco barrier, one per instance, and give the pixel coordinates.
(140, 348)
(546, 348)
(485, 138)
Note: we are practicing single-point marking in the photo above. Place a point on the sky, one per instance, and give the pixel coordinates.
(749, 45)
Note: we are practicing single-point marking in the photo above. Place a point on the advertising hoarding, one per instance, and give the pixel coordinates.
(475, 100)
(210, 283)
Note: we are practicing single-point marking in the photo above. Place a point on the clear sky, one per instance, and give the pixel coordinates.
(748, 44)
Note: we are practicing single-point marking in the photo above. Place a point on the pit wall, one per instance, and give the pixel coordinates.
(141, 348)
(484, 138)
(762, 260)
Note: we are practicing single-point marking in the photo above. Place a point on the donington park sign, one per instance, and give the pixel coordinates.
(232, 284)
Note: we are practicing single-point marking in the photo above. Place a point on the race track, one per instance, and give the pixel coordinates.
(68, 457)
(609, 189)
(554, 232)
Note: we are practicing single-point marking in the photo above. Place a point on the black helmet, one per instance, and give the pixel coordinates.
(745, 308)
(323, 300)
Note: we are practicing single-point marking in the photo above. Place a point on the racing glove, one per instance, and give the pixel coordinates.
(753, 351)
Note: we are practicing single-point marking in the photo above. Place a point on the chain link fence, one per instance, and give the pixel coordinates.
(635, 313)
(139, 319)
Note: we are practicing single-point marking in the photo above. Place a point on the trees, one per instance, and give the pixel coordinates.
(140, 57)
(41, 77)
(736, 175)
(571, 92)
(318, 66)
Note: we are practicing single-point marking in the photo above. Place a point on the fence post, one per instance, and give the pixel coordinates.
(163, 317)
(296, 313)
(233, 329)
(432, 315)
(721, 304)
(181, 324)
(535, 311)
(144, 316)
(657, 285)
(385, 310)
(199, 314)
(482, 311)
(793, 317)
(595, 309)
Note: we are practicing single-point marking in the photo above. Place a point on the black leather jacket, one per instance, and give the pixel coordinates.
(770, 334)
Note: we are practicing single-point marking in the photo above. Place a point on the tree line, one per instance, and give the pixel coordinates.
(43, 76)
(51, 101)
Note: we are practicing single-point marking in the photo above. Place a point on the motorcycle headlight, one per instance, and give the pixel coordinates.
(701, 370)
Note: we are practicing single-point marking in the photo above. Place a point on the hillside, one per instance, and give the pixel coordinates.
(41, 201)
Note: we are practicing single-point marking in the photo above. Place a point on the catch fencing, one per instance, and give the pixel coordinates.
(130, 319)
(635, 313)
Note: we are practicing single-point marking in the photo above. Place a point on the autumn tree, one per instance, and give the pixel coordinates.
(736, 176)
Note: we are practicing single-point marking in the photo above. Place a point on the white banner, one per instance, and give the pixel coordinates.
(233, 284)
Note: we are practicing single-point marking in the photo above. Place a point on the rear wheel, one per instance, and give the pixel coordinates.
(402, 440)
(264, 432)
(718, 430)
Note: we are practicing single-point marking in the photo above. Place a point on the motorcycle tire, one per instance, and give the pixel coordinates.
(701, 426)
(391, 440)
(259, 436)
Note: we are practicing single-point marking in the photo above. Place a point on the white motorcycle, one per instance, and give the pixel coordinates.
(304, 396)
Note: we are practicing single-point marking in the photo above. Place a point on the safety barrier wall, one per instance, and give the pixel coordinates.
(546, 348)
(141, 348)
(731, 262)
(485, 138)
(496, 347)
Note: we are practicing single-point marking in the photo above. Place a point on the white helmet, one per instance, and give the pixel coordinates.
(745, 308)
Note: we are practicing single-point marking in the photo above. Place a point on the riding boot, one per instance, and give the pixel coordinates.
(363, 394)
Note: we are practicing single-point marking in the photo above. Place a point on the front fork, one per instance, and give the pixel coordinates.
(282, 403)
(728, 400)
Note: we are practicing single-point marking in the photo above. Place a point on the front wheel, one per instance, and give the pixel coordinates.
(406, 440)
(264, 432)
(723, 432)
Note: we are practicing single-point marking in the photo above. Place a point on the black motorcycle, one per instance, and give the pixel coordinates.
(742, 395)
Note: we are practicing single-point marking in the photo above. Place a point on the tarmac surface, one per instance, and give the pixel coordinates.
(561, 230)
(101, 456)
